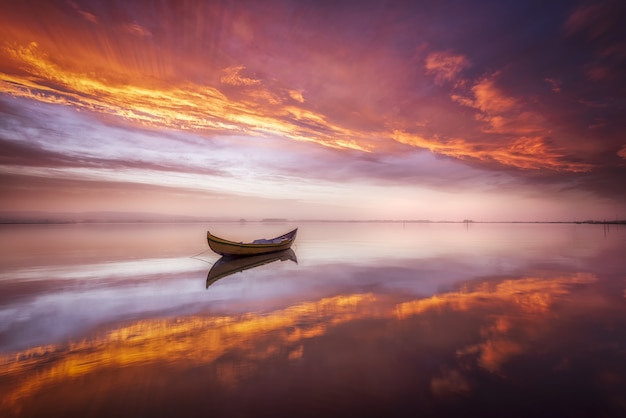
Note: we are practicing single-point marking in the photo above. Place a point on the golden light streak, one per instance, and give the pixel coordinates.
(256, 109)
(185, 106)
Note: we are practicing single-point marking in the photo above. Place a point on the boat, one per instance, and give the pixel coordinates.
(260, 246)
(226, 265)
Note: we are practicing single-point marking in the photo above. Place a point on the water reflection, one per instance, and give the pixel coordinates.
(380, 346)
(504, 328)
(226, 266)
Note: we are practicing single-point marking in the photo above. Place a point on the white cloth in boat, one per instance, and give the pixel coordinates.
(269, 241)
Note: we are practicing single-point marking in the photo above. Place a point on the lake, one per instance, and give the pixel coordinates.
(362, 319)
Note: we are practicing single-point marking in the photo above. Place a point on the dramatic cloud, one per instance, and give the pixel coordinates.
(242, 98)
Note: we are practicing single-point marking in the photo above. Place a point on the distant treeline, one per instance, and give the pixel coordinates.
(175, 219)
(616, 222)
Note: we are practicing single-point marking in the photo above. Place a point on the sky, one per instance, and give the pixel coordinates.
(440, 110)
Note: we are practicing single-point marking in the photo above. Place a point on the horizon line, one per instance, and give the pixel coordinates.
(175, 220)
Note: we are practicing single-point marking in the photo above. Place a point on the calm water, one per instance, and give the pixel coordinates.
(516, 320)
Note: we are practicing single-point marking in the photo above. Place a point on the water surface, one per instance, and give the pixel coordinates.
(380, 319)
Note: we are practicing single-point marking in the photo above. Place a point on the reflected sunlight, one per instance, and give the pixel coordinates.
(200, 339)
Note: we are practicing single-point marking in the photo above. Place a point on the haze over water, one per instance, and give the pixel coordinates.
(374, 319)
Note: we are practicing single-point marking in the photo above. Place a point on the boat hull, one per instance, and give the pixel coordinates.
(238, 249)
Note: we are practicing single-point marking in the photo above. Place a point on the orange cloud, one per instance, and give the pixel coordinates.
(490, 99)
(296, 95)
(526, 132)
(179, 106)
(501, 113)
(514, 136)
(445, 66)
(243, 103)
(531, 153)
(233, 77)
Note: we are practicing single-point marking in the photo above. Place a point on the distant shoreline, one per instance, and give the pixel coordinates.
(279, 221)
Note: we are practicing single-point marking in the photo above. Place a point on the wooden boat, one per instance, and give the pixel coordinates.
(260, 246)
(226, 266)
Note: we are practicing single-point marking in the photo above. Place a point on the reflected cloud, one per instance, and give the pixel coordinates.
(533, 295)
(504, 308)
(196, 339)
(526, 302)
(226, 266)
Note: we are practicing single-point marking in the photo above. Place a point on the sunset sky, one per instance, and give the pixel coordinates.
(441, 110)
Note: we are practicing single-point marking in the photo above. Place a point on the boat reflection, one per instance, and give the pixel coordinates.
(226, 266)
